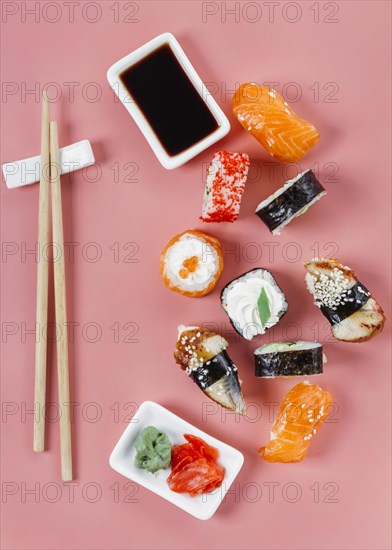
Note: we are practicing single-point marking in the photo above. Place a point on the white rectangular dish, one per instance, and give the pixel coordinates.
(169, 162)
(122, 459)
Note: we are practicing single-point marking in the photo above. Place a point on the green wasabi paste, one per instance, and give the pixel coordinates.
(153, 450)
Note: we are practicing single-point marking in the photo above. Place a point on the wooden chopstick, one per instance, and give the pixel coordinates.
(42, 285)
(61, 309)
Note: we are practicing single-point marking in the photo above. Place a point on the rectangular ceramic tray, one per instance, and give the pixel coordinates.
(166, 160)
(122, 459)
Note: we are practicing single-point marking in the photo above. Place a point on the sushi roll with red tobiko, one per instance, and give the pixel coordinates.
(254, 302)
(225, 185)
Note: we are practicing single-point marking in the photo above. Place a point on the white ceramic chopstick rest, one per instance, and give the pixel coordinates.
(27, 171)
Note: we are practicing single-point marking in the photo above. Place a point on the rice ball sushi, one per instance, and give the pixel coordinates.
(354, 315)
(286, 359)
(225, 185)
(290, 201)
(192, 263)
(254, 302)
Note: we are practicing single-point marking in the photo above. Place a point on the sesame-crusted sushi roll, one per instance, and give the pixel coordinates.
(354, 314)
(286, 359)
(225, 185)
(254, 302)
(202, 354)
(290, 201)
(191, 263)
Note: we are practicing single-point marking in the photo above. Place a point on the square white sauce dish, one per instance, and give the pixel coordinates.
(123, 456)
(169, 102)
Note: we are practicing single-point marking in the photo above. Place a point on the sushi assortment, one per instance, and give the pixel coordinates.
(282, 359)
(300, 415)
(191, 263)
(290, 201)
(225, 185)
(202, 355)
(267, 117)
(354, 314)
(254, 302)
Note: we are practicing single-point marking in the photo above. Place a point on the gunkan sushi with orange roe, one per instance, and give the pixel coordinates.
(301, 413)
(192, 263)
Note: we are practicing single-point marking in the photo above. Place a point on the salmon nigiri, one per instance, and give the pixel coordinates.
(266, 115)
(301, 413)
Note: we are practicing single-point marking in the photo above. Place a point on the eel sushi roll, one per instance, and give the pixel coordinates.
(290, 201)
(254, 302)
(354, 314)
(283, 359)
(225, 185)
(202, 355)
(192, 263)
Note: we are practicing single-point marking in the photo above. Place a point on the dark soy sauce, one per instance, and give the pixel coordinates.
(169, 101)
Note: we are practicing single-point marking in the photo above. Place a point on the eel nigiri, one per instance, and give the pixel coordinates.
(354, 314)
(268, 118)
(202, 354)
(301, 413)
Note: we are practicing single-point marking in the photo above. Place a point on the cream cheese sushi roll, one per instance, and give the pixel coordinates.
(284, 359)
(254, 302)
(191, 263)
(355, 316)
(290, 201)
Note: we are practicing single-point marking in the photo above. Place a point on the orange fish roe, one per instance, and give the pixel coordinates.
(191, 264)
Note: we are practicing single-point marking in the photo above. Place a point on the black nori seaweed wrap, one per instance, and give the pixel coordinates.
(225, 289)
(295, 362)
(291, 201)
(213, 370)
(353, 300)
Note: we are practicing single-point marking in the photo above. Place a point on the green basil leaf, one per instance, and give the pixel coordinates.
(263, 307)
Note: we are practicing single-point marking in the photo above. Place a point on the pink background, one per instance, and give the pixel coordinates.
(348, 61)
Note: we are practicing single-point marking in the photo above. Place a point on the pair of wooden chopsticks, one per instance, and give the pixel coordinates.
(50, 181)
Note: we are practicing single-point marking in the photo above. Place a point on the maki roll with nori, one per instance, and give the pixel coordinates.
(202, 354)
(254, 302)
(289, 359)
(290, 201)
(354, 314)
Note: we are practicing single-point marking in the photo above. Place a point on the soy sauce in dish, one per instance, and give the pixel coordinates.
(169, 101)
